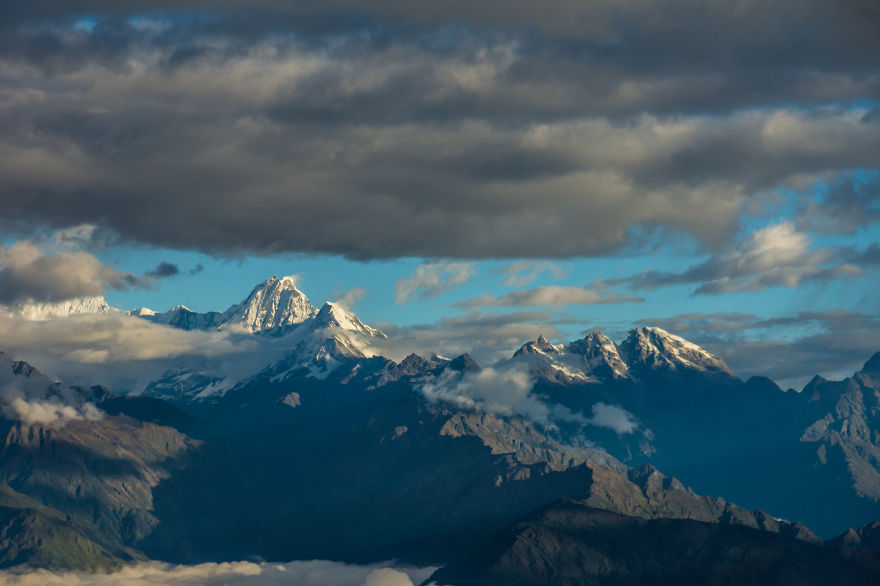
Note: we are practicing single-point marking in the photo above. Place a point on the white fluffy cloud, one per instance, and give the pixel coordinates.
(310, 573)
(29, 272)
(503, 391)
(34, 400)
(778, 255)
(49, 413)
(351, 297)
(125, 352)
(613, 417)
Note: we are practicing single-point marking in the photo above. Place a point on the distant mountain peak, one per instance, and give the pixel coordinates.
(273, 307)
(333, 315)
(873, 364)
(463, 363)
(540, 346)
(40, 311)
(646, 350)
(600, 355)
(655, 349)
(273, 304)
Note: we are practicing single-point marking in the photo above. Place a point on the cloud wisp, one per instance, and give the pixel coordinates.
(775, 256)
(613, 417)
(524, 272)
(505, 390)
(550, 296)
(432, 279)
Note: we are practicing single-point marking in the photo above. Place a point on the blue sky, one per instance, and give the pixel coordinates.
(407, 160)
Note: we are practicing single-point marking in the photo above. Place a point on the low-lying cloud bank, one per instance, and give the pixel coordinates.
(37, 401)
(309, 573)
(27, 272)
(503, 391)
(507, 390)
(125, 353)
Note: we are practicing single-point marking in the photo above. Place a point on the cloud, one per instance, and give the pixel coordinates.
(488, 337)
(724, 32)
(350, 298)
(35, 400)
(550, 296)
(46, 412)
(307, 573)
(388, 577)
(523, 272)
(868, 256)
(849, 203)
(125, 353)
(432, 279)
(221, 137)
(164, 269)
(613, 417)
(775, 256)
(28, 272)
(503, 391)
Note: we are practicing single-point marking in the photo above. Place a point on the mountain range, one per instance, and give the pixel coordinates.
(336, 452)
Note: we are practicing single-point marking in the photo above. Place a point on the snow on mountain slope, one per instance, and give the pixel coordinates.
(183, 318)
(316, 342)
(652, 349)
(272, 307)
(600, 356)
(334, 337)
(596, 357)
(332, 315)
(540, 346)
(552, 361)
(39, 311)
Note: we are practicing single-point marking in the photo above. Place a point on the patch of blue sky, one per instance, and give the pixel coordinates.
(85, 24)
(223, 282)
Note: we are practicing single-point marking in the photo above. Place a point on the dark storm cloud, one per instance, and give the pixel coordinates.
(819, 31)
(164, 269)
(851, 203)
(378, 129)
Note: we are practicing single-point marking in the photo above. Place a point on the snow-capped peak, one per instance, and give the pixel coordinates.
(276, 303)
(540, 346)
(40, 311)
(600, 355)
(654, 348)
(333, 315)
